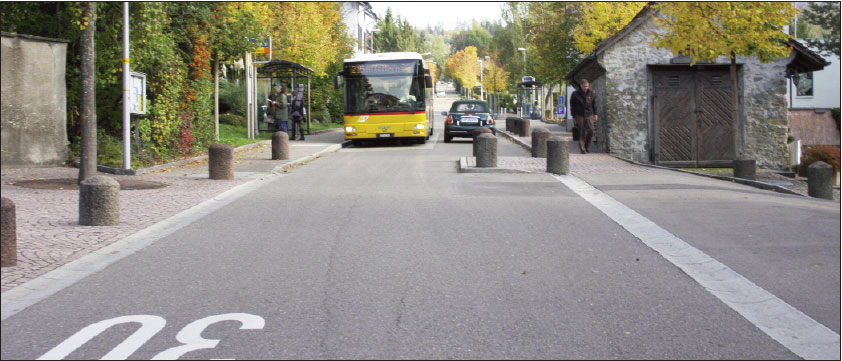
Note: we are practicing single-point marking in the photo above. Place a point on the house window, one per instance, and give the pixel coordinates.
(803, 84)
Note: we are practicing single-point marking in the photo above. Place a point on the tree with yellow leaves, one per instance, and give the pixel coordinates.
(601, 20)
(495, 78)
(707, 30)
(462, 67)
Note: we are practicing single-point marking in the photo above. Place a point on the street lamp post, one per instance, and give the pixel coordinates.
(524, 59)
(480, 79)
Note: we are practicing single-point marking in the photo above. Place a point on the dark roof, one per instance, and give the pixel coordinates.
(805, 60)
(34, 37)
(276, 65)
(471, 101)
(529, 84)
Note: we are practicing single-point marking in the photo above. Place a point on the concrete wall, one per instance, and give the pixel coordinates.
(813, 128)
(33, 116)
(626, 116)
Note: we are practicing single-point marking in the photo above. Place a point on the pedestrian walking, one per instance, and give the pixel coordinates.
(297, 112)
(281, 108)
(583, 107)
(269, 115)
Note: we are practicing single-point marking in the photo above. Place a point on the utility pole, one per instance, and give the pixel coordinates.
(87, 162)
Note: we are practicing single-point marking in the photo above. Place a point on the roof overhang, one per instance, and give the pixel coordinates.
(804, 60)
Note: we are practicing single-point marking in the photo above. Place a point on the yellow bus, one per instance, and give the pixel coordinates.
(387, 96)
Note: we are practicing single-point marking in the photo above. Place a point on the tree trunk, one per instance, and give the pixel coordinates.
(216, 94)
(735, 112)
(87, 164)
(547, 99)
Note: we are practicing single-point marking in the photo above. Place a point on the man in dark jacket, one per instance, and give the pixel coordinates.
(297, 112)
(583, 108)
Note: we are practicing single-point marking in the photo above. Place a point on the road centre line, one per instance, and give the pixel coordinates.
(790, 327)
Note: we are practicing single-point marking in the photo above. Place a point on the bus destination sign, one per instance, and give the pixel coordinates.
(382, 68)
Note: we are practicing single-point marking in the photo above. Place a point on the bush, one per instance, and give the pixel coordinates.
(232, 98)
(825, 153)
(321, 115)
(232, 119)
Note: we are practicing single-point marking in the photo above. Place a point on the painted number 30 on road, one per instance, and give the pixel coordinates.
(189, 336)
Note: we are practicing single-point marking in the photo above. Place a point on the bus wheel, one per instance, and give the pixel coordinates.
(356, 142)
(422, 141)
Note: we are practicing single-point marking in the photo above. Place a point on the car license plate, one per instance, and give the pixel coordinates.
(385, 135)
(469, 120)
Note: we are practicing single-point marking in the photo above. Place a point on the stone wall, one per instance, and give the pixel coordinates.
(33, 116)
(813, 126)
(627, 117)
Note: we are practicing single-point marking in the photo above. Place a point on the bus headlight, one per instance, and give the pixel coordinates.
(419, 126)
(350, 129)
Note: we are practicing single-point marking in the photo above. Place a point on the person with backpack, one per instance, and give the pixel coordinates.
(297, 112)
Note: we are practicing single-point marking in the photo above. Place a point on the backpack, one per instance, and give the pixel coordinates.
(296, 109)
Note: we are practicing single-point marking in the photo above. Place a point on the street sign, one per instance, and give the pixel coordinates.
(559, 110)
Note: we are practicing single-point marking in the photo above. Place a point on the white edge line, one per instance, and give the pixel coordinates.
(785, 324)
(38, 289)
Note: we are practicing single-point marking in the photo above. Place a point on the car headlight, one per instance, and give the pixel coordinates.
(350, 129)
(419, 126)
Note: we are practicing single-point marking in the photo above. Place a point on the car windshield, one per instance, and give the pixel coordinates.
(469, 108)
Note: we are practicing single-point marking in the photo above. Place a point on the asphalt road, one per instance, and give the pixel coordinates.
(386, 252)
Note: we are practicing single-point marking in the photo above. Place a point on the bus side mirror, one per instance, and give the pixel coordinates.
(337, 81)
(429, 81)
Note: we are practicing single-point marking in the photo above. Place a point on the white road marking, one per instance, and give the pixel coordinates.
(790, 327)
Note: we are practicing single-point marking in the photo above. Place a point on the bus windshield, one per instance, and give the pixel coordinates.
(383, 88)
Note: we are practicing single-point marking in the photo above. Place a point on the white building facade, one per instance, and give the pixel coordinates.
(361, 21)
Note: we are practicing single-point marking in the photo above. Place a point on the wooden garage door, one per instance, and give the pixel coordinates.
(693, 118)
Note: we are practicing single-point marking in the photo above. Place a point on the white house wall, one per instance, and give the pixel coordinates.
(825, 88)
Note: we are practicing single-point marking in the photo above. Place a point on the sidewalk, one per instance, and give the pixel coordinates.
(48, 234)
(602, 162)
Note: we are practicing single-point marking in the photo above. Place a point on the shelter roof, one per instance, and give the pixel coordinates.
(277, 65)
(529, 84)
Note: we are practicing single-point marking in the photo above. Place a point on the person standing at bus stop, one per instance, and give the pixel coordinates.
(583, 108)
(281, 113)
(296, 112)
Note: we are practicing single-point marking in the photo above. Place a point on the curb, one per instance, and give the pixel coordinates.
(120, 171)
(748, 182)
(304, 160)
(464, 168)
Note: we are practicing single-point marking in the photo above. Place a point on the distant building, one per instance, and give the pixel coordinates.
(810, 97)
(361, 21)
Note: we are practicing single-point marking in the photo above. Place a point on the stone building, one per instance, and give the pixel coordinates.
(656, 108)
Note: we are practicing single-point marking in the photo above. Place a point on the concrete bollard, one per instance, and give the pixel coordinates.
(8, 233)
(522, 127)
(539, 142)
(558, 155)
(745, 169)
(221, 161)
(99, 202)
(486, 151)
(820, 180)
(510, 124)
(280, 146)
(477, 132)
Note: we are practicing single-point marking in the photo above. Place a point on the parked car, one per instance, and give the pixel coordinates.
(464, 117)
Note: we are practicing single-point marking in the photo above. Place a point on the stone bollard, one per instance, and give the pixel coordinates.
(8, 233)
(221, 161)
(820, 180)
(558, 155)
(522, 127)
(486, 151)
(99, 202)
(539, 142)
(477, 132)
(744, 168)
(280, 146)
(510, 124)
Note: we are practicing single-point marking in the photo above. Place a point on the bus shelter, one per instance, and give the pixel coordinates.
(530, 99)
(277, 72)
